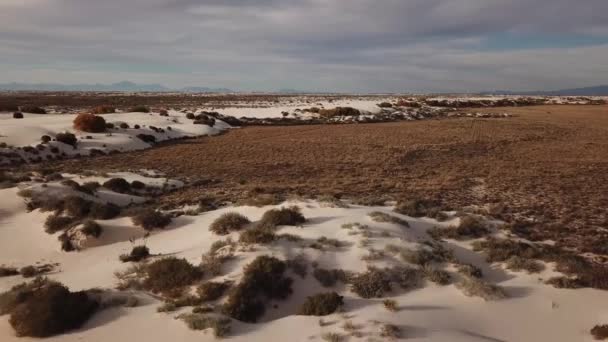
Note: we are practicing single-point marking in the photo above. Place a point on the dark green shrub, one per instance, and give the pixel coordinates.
(170, 274)
(17, 115)
(150, 219)
(229, 222)
(321, 304)
(138, 185)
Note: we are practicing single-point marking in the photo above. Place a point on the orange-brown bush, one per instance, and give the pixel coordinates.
(90, 123)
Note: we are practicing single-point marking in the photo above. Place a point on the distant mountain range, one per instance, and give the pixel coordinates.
(587, 91)
(120, 86)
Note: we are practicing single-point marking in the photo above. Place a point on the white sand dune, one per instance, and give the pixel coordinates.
(534, 311)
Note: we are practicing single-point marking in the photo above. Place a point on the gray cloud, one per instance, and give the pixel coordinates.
(355, 45)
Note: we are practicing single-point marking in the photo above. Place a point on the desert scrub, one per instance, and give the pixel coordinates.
(103, 211)
(282, 217)
(600, 332)
(390, 305)
(321, 304)
(229, 222)
(517, 263)
(138, 253)
(329, 278)
(474, 287)
(169, 274)
(258, 234)
(421, 256)
(406, 277)
(150, 219)
(339, 111)
(119, 185)
(262, 278)
(470, 227)
(324, 242)
(32, 109)
(374, 283)
(67, 138)
(211, 291)
(55, 223)
(8, 271)
(435, 275)
(90, 123)
(44, 308)
(139, 109)
(378, 216)
(469, 270)
(332, 337)
(298, 265)
(390, 331)
(221, 326)
(91, 228)
(418, 208)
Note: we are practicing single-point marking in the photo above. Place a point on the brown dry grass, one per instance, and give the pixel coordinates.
(549, 162)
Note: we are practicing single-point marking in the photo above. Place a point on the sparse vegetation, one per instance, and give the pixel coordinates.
(229, 222)
(257, 234)
(390, 305)
(474, 287)
(282, 217)
(103, 110)
(469, 270)
(379, 216)
(169, 274)
(150, 219)
(8, 271)
(390, 331)
(221, 326)
(329, 278)
(418, 208)
(321, 304)
(139, 109)
(438, 276)
(374, 283)
(211, 291)
(339, 111)
(138, 253)
(55, 223)
(470, 227)
(32, 109)
(517, 263)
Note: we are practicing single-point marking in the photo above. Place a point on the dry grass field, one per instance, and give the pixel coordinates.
(546, 162)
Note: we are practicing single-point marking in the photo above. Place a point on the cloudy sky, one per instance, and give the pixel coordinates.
(321, 45)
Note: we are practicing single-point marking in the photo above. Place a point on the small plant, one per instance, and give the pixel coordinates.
(437, 276)
(329, 278)
(229, 222)
(29, 272)
(517, 263)
(379, 216)
(418, 208)
(600, 332)
(150, 219)
(211, 291)
(390, 305)
(119, 185)
(477, 287)
(139, 109)
(374, 283)
(469, 270)
(8, 271)
(67, 138)
(260, 235)
(321, 304)
(137, 185)
(103, 211)
(332, 337)
(282, 217)
(138, 253)
(148, 138)
(170, 274)
(221, 326)
(76, 206)
(17, 115)
(90, 123)
(390, 331)
(55, 223)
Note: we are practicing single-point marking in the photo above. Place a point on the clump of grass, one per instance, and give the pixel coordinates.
(600, 332)
(221, 326)
(138, 253)
(517, 263)
(390, 331)
(374, 283)
(229, 222)
(469, 270)
(332, 337)
(290, 216)
(329, 278)
(406, 277)
(379, 216)
(150, 219)
(262, 278)
(390, 305)
(323, 242)
(258, 234)
(469, 228)
(421, 256)
(211, 291)
(418, 208)
(437, 276)
(321, 304)
(92, 228)
(169, 274)
(55, 223)
(474, 287)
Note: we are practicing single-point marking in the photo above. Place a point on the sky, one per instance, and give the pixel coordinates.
(314, 45)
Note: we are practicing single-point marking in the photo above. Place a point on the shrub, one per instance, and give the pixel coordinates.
(339, 111)
(169, 274)
(440, 277)
(67, 138)
(329, 278)
(229, 222)
(385, 105)
(600, 332)
(221, 326)
(332, 337)
(28, 271)
(517, 263)
(76, 206)
(150, 219)
(390, 331)
(190, 116)
(138, 185)
(123, 125)
(33, 109)
(390, 305)
(103, 211)
(163, 112)
(321, 304)
(477, 287)
(262, 277)
(420, 256)
(379, 216)
(282, 217)
(469, 270)
(211, 291)
(45, 139)
(259, 235)
(55, 223)
(17, 115)
(148, 138)
(404, 276)
(90, 123)
(138, 253)
(103, 110)
(43, 309)
(417, 208)
(92, 228)
(119, 185)
(374, 283)
(90, 187)
(139, 109)
(8, 271)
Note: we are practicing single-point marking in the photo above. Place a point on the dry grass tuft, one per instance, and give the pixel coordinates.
(474, 287)
(228, 223)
